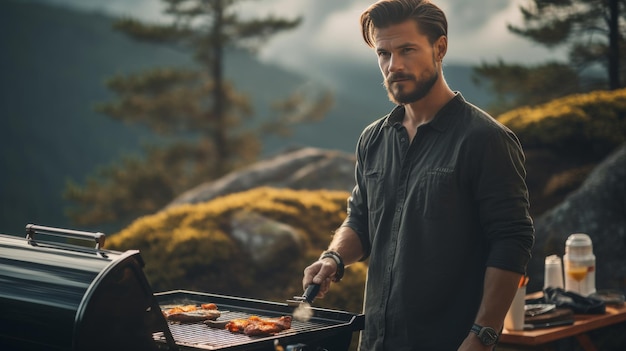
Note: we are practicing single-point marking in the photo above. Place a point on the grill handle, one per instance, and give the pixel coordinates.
(98, 238)
(311, 292)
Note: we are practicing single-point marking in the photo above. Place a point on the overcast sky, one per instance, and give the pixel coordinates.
(330, 31)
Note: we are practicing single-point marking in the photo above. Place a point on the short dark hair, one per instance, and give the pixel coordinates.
(429, 17)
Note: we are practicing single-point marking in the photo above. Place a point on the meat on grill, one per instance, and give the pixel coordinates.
(191, 313)
(257, 326)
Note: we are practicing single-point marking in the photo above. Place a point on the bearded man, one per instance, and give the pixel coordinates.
(440, 207)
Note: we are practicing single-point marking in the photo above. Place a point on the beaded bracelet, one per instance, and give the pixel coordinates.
(340, 266)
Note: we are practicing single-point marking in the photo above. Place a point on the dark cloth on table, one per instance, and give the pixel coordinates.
(569, 299)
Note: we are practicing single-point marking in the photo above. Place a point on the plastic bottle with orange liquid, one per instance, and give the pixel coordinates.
(580, 265)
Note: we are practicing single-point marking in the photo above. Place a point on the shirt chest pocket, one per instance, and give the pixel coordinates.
(375, 187)
(437, 193)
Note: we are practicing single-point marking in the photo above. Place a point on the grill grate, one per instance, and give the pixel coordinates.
(324, 324)
(201, 336)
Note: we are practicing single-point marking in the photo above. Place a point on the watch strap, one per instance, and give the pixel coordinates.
(338, 260)
(487, 335)
(476, 328)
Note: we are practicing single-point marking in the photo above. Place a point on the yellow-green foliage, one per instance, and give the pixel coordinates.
(189, 246)
(593, 122)
(567, 181)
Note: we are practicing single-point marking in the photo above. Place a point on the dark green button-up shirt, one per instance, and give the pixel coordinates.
(432, 215)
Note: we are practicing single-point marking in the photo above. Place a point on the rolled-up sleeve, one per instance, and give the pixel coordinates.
(503, 200)
(357, 217)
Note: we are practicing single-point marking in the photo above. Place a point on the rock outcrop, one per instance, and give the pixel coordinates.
(597, 208)
(265, 239)
(302, 169)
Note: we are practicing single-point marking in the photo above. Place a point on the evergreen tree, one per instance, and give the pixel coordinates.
(206, 124)
(591, 30)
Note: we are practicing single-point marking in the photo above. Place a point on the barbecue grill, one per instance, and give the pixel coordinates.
(58, 295)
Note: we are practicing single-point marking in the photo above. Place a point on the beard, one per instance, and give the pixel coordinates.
(400, 95)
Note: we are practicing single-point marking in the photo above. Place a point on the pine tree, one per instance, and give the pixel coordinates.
(593, 35)
(205, 121)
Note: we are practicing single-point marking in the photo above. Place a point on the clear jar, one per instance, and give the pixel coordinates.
(580, 265)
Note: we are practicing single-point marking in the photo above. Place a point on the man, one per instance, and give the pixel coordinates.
(440, 206)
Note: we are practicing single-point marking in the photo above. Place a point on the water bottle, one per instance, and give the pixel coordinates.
(553, 272)
(580, 265)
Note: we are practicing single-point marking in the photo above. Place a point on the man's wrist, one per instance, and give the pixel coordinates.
(487, 335)
(338, 260)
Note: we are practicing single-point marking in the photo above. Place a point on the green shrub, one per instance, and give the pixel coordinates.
(190, 247)
(591, 124)
(565, 182)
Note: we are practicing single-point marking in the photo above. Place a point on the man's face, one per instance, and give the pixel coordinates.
(407, 61)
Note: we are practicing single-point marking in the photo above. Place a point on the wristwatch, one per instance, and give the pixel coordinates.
(487, 335)
(340, 266)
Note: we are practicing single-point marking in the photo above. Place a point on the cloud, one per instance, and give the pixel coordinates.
(477, 33)
(471, 14)
(333, 35)
(487, 38)
(330, 33)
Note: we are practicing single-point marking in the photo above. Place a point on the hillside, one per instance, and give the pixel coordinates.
(52, 72)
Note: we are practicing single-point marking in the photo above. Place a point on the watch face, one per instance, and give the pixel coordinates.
(488, 336)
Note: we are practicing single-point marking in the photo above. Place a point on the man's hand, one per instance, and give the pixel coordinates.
(345, 243)
(320, 272)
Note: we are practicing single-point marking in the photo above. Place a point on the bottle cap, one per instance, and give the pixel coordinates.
(579, 244)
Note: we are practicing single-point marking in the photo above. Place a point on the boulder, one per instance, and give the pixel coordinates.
(264, 239)
(597, 208)
(301, 169)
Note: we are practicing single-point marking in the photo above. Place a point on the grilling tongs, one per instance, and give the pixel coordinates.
(302, 304)
(309, 295)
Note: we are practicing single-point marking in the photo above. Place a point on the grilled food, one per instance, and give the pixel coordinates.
(191, 313)
(257, 326)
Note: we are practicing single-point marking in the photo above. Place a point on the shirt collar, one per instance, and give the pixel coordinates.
(395, 117)
(440, 122)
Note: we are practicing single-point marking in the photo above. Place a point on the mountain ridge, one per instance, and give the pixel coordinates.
(53, 70)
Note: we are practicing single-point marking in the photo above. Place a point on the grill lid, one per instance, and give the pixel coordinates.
(57, 295)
